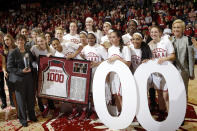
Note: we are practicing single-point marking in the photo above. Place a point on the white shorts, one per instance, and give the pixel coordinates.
(92, 77)
(107, 92)
(159, 82)
(115, 84)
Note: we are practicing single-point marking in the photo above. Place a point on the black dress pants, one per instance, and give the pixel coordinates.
(2, 90)
(25, 98)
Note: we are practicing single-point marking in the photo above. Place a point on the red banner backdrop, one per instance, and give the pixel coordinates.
(64, 80)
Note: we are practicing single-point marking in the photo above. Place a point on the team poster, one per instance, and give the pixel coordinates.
(65, 80)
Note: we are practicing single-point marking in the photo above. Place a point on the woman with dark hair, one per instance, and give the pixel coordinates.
(48, 37)
(94, 53)
(2, 90)
(2, 74)
(132, 28)
(9, 45)
(118, 51)
(20, 69)
(140, 51)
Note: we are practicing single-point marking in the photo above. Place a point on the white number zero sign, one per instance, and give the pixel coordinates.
(134, 89)
(129, 96)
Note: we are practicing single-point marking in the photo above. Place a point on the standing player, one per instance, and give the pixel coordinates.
(132, 28)
(71, 42)
(122, 53)
(105, 39)
(83, 38)
(140, 51)
(42, 48)
(94, 53)
(59, 32)
(163, 50)
(90, 28)
(72, 37)
(106, 27)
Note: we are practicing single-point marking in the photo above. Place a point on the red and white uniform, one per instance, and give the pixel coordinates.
(114, 78)
(95, 53)
(72, 38)
(68, 49)
(98, 34)
(136, 55)
(163, 49)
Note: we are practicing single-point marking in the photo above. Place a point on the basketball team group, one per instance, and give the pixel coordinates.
(96, 46)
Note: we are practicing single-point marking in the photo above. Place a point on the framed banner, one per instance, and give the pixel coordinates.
(64, 80)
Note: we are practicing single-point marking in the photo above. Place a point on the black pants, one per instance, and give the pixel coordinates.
(2, 90)
(10, 90)
(25, 98)
(152, 96)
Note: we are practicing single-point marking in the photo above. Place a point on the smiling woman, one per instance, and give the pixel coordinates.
(184, 52)
(22, 79)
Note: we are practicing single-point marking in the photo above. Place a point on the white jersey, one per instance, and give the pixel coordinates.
(75, 39)
(36, 51)
(104, 39)
(70, 48)
(54, 77)
(125, 54)
(163, 48)
(136, 55)
(127, 39)
(114, 78)
(64, 52)
(95, 53)
(98, 34)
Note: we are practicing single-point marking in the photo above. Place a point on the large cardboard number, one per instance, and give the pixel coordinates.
(129, 95)
(176, 91)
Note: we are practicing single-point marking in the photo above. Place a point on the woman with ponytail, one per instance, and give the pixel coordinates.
(122, 53)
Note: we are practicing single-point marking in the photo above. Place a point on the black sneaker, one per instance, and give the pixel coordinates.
(12, 104)
(25, 125)
(183, 123)
(34, 120)
(3, 106)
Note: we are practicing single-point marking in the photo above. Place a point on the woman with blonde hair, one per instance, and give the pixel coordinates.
(89, 27)
(42, 48)
(184, 52)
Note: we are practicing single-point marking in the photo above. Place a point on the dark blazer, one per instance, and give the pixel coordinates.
(15, 65)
